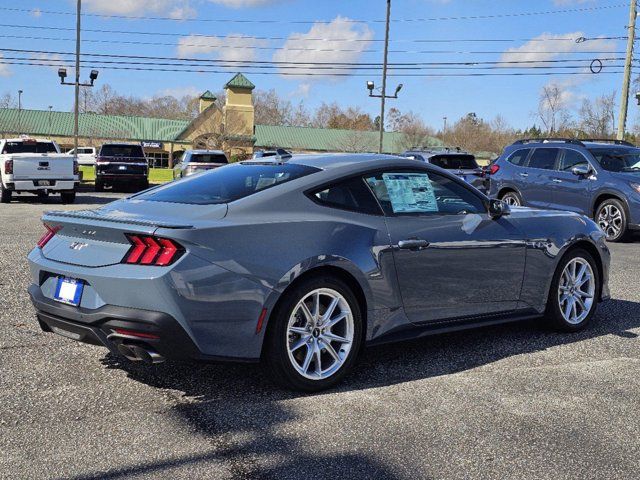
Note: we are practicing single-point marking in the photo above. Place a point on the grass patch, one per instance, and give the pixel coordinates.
(156, 175)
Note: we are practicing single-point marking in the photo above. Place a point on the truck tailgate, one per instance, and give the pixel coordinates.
(42, 166)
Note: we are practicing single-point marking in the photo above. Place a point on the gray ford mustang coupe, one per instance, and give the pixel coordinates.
(301, 261)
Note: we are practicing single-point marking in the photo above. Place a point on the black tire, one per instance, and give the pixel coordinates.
(512, 198)
(68, 197)
(144, 184)
(99, 187)
(276, 347)
(5, 195)
(614, 229)
(554, 314)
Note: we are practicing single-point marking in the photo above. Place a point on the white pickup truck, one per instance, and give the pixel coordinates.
(36, 166)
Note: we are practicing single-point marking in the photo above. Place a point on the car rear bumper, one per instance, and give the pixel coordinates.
(108, 326)
(121, 178)
(32, 185)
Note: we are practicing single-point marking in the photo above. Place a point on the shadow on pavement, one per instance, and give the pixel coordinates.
(227, 402)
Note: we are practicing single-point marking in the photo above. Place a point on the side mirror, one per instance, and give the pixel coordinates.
(497, 209)
(581, 170)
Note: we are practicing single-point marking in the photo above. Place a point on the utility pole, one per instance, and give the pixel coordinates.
(76, 106)
(624, 101)
(19, 111)
(384, 75)
(50, 108)
(444, 130)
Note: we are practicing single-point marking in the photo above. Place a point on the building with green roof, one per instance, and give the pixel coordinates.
(230, 128)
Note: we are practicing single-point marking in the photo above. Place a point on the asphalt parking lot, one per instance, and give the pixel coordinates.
(514, 401)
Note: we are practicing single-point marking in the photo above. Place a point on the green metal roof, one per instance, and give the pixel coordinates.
(44, 123)
(239, 81)
(60, 124)
(329, 139)
(208, 95)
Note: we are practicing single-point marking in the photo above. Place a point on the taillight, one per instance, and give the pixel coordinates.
(150, 250)
(493, 168)
(76, 168)
(8, 167)
(48, 235)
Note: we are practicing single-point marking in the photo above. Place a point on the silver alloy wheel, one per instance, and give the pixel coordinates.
(610, 221)
(320, 333)
(576, 290)
(511, 200)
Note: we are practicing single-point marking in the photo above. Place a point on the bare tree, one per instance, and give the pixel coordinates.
(7, 100)
(597, 118)
(356, 141)
(552, 108)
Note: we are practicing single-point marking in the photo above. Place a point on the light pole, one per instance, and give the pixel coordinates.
(50, 108)
(444, 130)
(62, 73)
(19, 112)
(383, 93)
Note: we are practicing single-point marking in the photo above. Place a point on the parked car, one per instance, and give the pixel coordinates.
(86, 155)
(121, 164)
(278, 152)
(302, 261)
(597, 178)
(197, 161)
(36, 166)
(460, 163)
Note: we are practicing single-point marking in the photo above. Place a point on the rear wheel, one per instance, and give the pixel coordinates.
(99, 186)
(68, 197)
(611, 217)
(315, 336)
(512, 198)
(573, 296)
(5, 195)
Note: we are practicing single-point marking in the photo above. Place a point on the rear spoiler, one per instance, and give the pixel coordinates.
(93, 215)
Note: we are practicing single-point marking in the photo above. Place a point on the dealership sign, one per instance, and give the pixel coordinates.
(151, 144)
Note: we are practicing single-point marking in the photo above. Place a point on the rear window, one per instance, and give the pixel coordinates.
(454, 162)
(226, 184)
(123, 151)
(208, 158)
(29, 147)
(544, 158)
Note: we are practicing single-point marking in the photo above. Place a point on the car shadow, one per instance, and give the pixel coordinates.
(238, 400)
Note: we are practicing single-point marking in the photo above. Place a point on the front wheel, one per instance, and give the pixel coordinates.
(611, 217)
(5, 195)
(315, 336)
(573, 296)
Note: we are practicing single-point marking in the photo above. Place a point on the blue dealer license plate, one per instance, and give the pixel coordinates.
(69, 291)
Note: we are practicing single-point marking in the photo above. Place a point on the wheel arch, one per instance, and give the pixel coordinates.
(332, 270)
(508, 188)
(607, 195)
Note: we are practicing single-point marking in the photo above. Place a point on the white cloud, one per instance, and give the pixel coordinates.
(244, 3)
(302, 91)
(550, 46)
(5, 71)
(343, 41)
(179, 92)
(36, 12)
(233, 47)
(178, 9)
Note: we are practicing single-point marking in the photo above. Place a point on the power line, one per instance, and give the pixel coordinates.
(250, 47)
(312, 22)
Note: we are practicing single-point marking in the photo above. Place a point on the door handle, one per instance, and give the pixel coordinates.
(524, 174)
(412, 244)
(557, 180)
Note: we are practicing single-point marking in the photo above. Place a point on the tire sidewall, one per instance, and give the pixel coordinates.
(553, 308)
(276, 348)
(618, 204)
(512, 194)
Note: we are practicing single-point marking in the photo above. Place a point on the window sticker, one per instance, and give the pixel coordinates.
(410, 192)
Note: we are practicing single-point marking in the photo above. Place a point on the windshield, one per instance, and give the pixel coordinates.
(226, 184)
(27, 146)
(618, 159)
(208, 158)
(124, 151)
(454, 162)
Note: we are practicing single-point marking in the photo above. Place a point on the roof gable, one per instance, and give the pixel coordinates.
(239, 81)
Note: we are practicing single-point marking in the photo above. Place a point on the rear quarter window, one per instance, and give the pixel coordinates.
(228, 183)
(352, 194)
(519, 157)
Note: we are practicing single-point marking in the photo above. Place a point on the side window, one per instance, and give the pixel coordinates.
(423, 193)
(519, 157)
(570, 159)
(351, 195)
(544, 158)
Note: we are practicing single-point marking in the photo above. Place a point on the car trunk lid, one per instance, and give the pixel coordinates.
(41, 166)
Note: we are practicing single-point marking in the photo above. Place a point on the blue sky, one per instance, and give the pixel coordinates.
(515, 98)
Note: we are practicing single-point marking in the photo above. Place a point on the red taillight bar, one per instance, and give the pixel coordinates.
(150, 250)
(8, 167)
(48, 235)
(135, 333)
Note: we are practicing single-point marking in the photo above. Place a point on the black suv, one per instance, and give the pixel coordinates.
(460, 163)
(121, 164)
